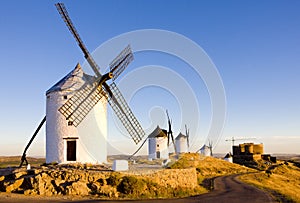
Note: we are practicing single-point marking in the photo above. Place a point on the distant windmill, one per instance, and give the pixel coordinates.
(187, 133)
(86, 98)
(170, 133)
(210, 145)
(206, 150)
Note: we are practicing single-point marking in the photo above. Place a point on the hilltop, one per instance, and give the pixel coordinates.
(191, 174)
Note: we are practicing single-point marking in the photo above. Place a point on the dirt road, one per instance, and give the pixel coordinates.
(226, 189)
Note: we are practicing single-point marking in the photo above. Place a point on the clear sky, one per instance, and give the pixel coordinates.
(255, 46)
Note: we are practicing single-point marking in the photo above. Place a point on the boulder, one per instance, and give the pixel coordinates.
(30, 192)
(14, 185)
(19, 174)
(78, 188)
(109, 191)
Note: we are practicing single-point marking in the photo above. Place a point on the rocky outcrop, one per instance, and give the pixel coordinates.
(49, 181)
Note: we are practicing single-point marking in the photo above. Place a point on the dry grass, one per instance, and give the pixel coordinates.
(283, 179)
(209, 167)
(14, 161)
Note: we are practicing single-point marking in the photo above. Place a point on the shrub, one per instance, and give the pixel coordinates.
(131, 185)
(114, 179)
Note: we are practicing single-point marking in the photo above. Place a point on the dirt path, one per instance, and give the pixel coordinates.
(226, 189)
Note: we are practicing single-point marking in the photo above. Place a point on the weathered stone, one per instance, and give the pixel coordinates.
(175, 178)
(109, 191)
(19, 174)
(78, 188)
(14, 186)
(2, 178)
(94, 187)
(45, 185)
(30, 192)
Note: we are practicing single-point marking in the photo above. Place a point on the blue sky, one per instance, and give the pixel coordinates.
(255, 46)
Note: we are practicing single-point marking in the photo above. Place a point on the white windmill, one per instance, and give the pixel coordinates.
(76, 120)
(158, 144)
(182, 142)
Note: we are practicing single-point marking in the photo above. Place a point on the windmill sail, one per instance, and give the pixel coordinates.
(65, 16)
(82, 102)
(124, 113)
(78, 106)
(118, 65)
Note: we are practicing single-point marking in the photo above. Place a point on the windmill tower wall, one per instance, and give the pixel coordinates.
(158, 148)
(181, 145)
(205, 151)
(86, 143)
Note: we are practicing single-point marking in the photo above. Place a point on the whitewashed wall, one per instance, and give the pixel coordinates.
(181, 145)
(163, 147)
(91, 145)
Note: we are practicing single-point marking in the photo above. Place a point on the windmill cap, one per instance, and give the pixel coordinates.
(180, 136)
(72, 81)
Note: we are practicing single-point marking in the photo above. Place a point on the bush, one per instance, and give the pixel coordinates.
(114, 179)
(131, 185)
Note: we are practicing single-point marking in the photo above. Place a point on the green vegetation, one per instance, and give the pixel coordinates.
(140, 187)
(283, 178)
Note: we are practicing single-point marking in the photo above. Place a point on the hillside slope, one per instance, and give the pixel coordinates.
(283, 178)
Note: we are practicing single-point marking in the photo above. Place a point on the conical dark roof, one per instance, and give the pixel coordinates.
(158, 132)
(228, 155)
(181, 136)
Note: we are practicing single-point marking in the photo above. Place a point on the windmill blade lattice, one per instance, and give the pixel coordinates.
(65, 16)
(82, 102)
(124, 113)
(76, 108)
(118, 65)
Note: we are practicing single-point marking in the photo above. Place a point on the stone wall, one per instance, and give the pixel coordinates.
(175, 178)
(70, 181)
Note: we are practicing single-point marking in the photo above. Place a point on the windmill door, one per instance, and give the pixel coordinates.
(158, 154)
(71, 150)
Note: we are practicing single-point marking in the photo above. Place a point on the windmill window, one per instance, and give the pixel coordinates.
(157, 145)
(65, 97)
(48, 97)
(70, 123)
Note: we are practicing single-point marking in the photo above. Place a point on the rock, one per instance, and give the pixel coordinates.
(30, 192)
(2, 178)
(94, 187)
(19, 174)
(78, 188)
(14, 186)
(109, 191)
(45, 185)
